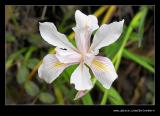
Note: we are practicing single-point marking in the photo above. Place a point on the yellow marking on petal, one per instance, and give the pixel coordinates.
(58, 64)
(100, 66)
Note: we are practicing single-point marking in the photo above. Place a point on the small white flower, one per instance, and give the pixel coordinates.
(85, 54)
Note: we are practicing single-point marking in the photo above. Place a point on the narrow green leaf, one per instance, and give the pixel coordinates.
(58, 95)
(138, 59)
(134, 37)
(31, 88)
(46, 97)
(13, 57)
(133, 25)
(114, 97)
(105, 96)
(110, 94)
(29, 53)
(87, 100)
(141, 25)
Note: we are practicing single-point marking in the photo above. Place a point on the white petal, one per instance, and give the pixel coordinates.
(85, 25)
(50, 68)
(104, 71)
(50, 34)
(107, 34)
(82, 37)
(80, 19)
(40, 71)
(83, 21)
(81, 78)
(92, 22)
(67, 56)
(88, 58)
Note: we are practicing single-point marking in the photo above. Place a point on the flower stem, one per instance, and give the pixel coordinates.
(87, 99)
(105, 96)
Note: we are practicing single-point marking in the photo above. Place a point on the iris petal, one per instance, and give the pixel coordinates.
(104, 71)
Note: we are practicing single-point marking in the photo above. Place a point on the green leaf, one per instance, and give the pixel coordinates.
(87, 99)
(73, 42)
(105, 96)
(134, 37)
(110, 94)
(46, 97)
(58, 94)
(136, 20)
(22, 74)
(32, 62)
(114, 97)
(13, 57)
(145, 62)
(141, 25)
(70, 69)
(133, 25)
(31, 88)
(29, 53)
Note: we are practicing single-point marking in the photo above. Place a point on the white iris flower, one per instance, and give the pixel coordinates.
(85, 54)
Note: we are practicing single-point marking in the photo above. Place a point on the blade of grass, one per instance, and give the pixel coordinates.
(111, 94)
(100, 11)
(104, 99)
(114, 97)
(58, 94)
(141, 25)
(13, 57)
(29, 53)
(87, 99)
(138, 59)
(134, 24)
(109, 14)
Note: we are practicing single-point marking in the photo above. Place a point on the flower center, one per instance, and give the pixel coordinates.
(87, 58)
